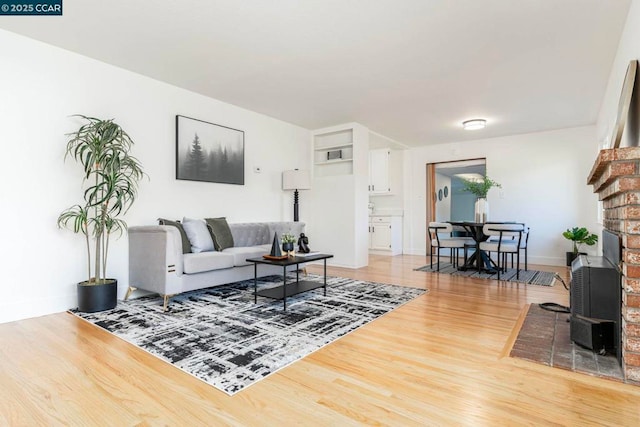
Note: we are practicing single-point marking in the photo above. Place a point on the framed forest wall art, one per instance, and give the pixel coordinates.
(208, 152)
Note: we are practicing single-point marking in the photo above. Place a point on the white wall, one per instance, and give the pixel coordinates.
(339, 218)
(443, 207)
(41, 87)
(543, 177)
(628, 49)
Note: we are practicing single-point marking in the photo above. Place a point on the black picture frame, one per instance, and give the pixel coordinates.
(440, 194)
(208, 152)
(446, 191)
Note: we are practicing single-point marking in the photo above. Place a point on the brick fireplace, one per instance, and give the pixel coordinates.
(615, 176)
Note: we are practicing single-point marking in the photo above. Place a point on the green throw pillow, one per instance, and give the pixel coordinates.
(220, 232)
(186, 245)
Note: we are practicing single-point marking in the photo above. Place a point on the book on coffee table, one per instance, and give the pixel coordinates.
(302, 254)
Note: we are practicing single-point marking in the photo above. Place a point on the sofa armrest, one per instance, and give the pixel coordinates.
(155, 258)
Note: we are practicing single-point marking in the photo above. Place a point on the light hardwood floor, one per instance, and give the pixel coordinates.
(438, 360)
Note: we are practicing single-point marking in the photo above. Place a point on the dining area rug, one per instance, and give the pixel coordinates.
(222, 337)
(530, 277)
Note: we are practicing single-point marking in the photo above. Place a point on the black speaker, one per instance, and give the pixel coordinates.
(594, 334)
(334, 155)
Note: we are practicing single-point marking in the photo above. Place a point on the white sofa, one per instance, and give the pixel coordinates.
(157, 262)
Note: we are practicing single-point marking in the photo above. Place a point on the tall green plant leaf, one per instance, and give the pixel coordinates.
(111, 177)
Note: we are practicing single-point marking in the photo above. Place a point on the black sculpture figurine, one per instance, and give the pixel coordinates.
(303, 244)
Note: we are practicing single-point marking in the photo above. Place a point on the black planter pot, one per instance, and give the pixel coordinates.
(287, 247)
(92, 298)
(572, 255)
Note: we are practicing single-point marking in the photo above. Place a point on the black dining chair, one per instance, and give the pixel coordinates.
(441, 237)
(509, 241)
(523, 244)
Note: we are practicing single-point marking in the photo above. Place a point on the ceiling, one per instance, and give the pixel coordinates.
(411, 70)
(451, 169)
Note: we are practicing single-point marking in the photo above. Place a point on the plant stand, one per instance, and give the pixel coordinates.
(93, 298)
(573, 255)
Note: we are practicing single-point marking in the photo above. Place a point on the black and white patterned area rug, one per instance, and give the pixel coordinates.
(221, 337)
(530, 277)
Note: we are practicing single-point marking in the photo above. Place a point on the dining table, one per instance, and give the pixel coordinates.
(479, 259)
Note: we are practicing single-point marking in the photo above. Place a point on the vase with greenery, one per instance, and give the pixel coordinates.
(110, 181)
(480, 188)
(579, 236)
(288, 240)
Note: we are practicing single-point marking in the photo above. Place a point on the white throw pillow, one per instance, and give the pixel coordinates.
(198, 235)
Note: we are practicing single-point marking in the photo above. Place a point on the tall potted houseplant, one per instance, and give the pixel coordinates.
(110, 182)
(579, 236)
(479, 188)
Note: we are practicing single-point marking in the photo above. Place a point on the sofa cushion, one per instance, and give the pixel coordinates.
(291, 227)
(198, 235)
(186, 245)
(206, 261)
(241, 253)
(222, 237)
(250, 233)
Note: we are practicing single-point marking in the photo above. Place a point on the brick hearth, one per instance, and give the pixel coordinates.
(545, 338)
(615, 176)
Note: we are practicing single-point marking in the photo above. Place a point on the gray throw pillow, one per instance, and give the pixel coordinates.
(186, 245)
(220, 232)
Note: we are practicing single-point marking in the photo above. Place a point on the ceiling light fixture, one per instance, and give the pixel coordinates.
(474, 177)
(474, 124)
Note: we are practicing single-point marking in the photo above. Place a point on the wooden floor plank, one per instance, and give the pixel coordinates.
(441, 359)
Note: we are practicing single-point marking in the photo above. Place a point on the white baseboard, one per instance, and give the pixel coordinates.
(386, 253)
(555, 261)
(415, 252)
(36, 307)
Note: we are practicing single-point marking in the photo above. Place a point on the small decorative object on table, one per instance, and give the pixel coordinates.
(303, 244)
(287, 243)
(276, 253)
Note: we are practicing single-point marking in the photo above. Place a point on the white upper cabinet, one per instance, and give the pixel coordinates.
(379, 171)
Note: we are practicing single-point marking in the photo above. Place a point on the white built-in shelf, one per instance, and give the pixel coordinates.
(326, 162)
(333, 147)
(327, 145)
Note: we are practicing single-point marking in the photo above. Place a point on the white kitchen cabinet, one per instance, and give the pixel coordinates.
(379, 171)
(385, 235)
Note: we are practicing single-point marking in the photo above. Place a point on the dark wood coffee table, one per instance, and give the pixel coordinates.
(288, 289)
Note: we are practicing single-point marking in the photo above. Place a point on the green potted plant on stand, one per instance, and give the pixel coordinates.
(110, 183)
(480, 188)
(579, 236)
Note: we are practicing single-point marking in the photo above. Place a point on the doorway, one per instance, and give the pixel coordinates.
(446, 198)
